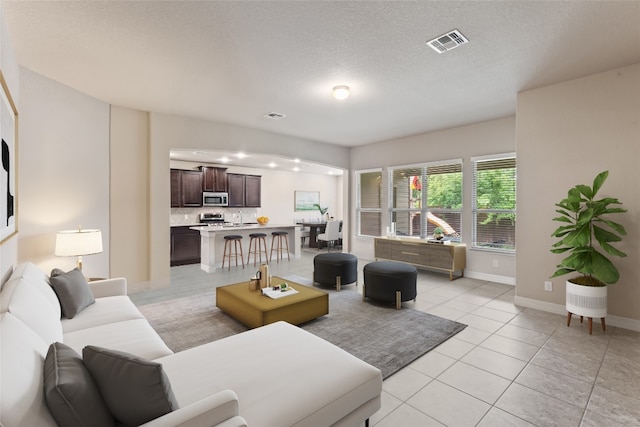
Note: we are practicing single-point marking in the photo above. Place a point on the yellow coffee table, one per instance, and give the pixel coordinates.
(253, 309)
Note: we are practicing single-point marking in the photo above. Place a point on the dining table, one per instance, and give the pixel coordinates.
(315, 228)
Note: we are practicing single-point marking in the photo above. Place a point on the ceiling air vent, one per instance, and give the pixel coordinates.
(448, 41)
(274, 116)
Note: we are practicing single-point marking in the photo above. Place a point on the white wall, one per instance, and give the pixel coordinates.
(567, 134)
(491, 137)
(129, 194)
(64, 171)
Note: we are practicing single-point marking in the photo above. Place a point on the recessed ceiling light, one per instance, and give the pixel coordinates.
(241, 155)
(224, 160)
(272, 165)
(296, 160)
(341, 92)
(296, 169)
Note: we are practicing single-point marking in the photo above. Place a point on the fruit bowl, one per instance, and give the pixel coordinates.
(262, 220)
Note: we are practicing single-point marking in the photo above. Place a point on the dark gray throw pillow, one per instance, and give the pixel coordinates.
(135, 390)
(72, 290)
(70, 392)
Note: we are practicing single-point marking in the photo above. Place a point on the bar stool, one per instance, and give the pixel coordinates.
(232, 241)
(283, 239)
(258, 241)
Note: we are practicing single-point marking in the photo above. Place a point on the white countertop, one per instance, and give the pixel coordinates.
(228, 228)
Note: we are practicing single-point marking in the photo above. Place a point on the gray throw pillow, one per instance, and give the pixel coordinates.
(70, 392)
(72, 290)
(135, 390)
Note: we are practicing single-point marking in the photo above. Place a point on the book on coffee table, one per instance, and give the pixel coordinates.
(275, 294)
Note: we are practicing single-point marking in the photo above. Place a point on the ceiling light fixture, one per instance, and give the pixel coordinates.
(341, 92)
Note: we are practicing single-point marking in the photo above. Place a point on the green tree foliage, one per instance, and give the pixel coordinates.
(445, 191)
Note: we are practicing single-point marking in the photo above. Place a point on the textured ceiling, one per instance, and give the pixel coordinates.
(235, 61)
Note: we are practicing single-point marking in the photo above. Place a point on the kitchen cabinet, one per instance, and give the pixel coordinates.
(185, 246)
(186, 188)
(252, 191)
(421, 253)
(244, 190)
(214, 179)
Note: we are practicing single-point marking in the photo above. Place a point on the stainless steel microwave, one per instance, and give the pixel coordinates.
(215, 199)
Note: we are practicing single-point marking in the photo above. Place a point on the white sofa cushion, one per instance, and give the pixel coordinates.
(104, 311)
(31, 304)
(22, 354)
(132, 336)
(324, 383)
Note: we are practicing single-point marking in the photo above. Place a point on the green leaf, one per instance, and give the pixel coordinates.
(585, 190)
(579, 237)
(598, 181)
(562, 219)
(604, 236)
(603, 269)
(619, 228)
(562, 272)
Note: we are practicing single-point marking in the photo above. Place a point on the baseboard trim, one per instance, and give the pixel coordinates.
(506, 280)
(617, 321)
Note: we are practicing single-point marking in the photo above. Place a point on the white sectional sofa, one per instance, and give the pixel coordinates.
(274, 376)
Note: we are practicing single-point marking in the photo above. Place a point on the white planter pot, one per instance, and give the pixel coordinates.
(587, 301)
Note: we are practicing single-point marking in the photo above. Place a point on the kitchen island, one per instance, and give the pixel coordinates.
(212, 240)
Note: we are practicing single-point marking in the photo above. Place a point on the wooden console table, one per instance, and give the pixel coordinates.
(421, 253)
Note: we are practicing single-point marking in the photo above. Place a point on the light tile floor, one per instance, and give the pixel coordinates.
(510, 367)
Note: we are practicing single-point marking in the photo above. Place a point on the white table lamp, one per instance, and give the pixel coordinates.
(78, 243)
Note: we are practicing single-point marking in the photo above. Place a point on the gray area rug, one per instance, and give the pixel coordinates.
(384, 337)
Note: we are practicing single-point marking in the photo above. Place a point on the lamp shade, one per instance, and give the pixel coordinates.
(78, 242)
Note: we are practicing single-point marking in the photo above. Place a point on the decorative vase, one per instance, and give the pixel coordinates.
(586, 301)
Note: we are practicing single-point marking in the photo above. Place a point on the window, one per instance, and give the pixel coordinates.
(426, 196)
(369, 202)
(494, 202)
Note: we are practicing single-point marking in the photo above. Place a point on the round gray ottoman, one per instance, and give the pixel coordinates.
(335, 269)
(390, 281)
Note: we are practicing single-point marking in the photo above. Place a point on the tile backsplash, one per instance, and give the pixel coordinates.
(189, 216)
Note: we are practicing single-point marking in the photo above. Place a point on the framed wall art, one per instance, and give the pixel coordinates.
(305, 200)
(8, 172)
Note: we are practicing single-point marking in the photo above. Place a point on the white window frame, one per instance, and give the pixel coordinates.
(474, 205)
(424, 208)
(359, 208)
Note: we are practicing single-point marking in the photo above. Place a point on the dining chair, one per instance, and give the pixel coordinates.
(331, 234)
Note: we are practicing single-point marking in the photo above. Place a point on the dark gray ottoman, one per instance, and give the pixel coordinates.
(335, 269)
(390, 281)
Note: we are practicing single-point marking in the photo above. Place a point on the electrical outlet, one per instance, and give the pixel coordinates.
(548, 286)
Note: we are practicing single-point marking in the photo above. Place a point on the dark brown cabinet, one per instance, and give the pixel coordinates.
(252, 191)
(185, 246)
(244, 190)
(186, 188)
(214, 179)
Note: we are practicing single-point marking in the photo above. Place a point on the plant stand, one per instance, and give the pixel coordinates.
(586, 301)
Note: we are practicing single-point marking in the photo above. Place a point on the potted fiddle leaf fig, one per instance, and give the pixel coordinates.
(586, 236)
